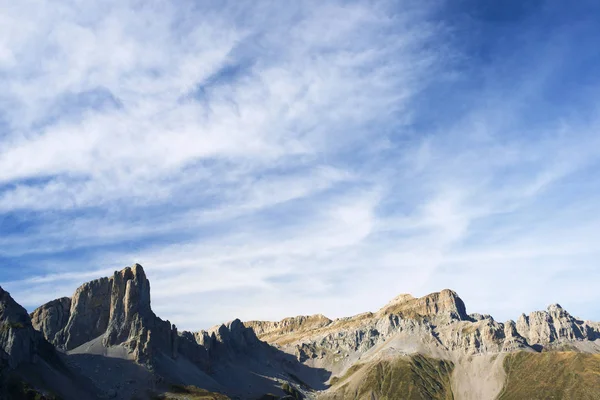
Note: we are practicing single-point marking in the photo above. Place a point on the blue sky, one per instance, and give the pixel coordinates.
(263, 159)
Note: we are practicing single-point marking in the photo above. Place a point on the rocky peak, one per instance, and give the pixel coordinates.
(401, 298)
(132, 286)
(444, 303)
(555, 308)
(554, 325)
(18, 340)
(117, 309)
(129, 303)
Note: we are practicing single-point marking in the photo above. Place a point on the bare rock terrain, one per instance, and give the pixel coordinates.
(106, 342)
(19, 342)
(435, 325)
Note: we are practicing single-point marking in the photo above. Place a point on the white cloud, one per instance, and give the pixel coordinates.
(250, 152)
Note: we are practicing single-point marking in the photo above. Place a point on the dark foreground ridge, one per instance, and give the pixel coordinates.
(106, 342)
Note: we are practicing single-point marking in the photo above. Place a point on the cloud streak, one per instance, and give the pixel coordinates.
(326, 156)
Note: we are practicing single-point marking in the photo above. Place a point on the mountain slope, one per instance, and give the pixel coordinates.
(413, 377)
(552, 375)
(436, 326)
(112, 345)
(108, 325)
(29, 365)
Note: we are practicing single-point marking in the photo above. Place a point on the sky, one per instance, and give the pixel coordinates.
(264, 159)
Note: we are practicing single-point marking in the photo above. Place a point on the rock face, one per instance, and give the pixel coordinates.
(131, 320)
(434, 323)
(51, 318)
(445, 303)
(189, 345)
(431, 336)
(115, 308)
(88, 316)
(129, 304)
(227, 341)
(512, 340)
(303, 323)
(19, 341)
(555, 325)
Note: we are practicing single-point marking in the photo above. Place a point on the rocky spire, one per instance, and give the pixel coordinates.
(115, 308)
(129, 304)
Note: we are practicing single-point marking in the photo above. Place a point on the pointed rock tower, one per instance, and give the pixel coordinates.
(115, 310)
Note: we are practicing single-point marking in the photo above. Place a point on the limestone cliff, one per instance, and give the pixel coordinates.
(431, 341)
(435, 324)
(303, 323)
(117, 309)
(445, 303)
(555, 325)
(227, 341)
(19, 342)
(52, 317)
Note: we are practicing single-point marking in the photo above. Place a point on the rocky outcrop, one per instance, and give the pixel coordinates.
(88, 316)
(190, 346)
(246, 360)
(479, 317)
(117, 309)
(317, 339)
(303, 323)
(51, 318)
(132, 322)
(227, 341)
(512, 340)
(440, 304)
(19, 342)
(554, 325)
(438, 322)
(129, 305)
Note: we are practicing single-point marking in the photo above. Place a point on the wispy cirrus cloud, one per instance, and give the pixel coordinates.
(327, 156)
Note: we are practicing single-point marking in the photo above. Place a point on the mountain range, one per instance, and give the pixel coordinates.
(105, 342)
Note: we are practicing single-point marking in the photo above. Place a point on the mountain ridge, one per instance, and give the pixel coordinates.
(413, 344)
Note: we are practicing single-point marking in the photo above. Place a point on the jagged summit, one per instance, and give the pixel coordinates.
(112, 317)
(444, 302)
(440, 318)
(116, 309)
(554, 306)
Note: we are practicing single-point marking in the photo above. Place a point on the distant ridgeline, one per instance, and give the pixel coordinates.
(106, 342)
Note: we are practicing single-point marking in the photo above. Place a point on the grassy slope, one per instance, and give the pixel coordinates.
(412, 378)
(179, 392)
(551, 375)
